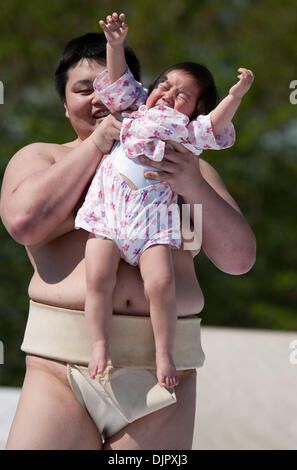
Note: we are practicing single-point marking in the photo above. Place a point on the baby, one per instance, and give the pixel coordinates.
(122, 208)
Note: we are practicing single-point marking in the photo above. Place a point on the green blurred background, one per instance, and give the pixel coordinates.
(260, 170)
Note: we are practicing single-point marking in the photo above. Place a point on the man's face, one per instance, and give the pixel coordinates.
(83, 107)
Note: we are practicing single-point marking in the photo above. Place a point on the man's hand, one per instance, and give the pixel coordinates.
(179, 167)
(115, 29)
(107, 132)
(246, 78)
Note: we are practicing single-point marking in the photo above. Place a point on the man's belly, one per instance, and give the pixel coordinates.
(59, 279)
(128, 296)
(70, 292)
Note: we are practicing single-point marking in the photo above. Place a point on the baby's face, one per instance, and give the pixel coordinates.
(178, 91)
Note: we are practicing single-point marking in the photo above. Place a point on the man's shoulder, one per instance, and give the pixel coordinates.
(33, 157)
(213, 178)
(42, 148)
(40, 151)
(209, 173)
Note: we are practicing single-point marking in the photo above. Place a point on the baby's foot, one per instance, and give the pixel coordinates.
(166, 371)
(100, 356)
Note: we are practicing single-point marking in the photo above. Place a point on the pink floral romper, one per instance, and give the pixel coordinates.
(138, 219)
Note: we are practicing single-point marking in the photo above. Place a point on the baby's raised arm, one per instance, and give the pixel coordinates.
(224, 112)
(115, 31)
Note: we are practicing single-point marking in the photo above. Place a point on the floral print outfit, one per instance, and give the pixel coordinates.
(137, 219)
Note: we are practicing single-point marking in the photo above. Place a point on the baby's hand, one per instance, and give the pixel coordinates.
(246, 78)
(115, 30)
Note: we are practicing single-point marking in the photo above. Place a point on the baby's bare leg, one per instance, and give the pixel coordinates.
(102, 261)
(159, 286)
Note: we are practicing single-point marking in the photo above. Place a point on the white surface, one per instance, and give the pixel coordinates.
(246, 392)
(8, 402)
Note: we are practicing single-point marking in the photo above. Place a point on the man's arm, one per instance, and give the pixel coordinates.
(115, 32)
(227, 239)
(38, 193)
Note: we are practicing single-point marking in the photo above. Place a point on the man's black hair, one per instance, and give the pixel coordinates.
(88, 46)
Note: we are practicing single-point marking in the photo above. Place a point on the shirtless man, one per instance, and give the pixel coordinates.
(43, 186)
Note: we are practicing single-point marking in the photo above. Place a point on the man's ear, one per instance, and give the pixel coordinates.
(66, 110)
